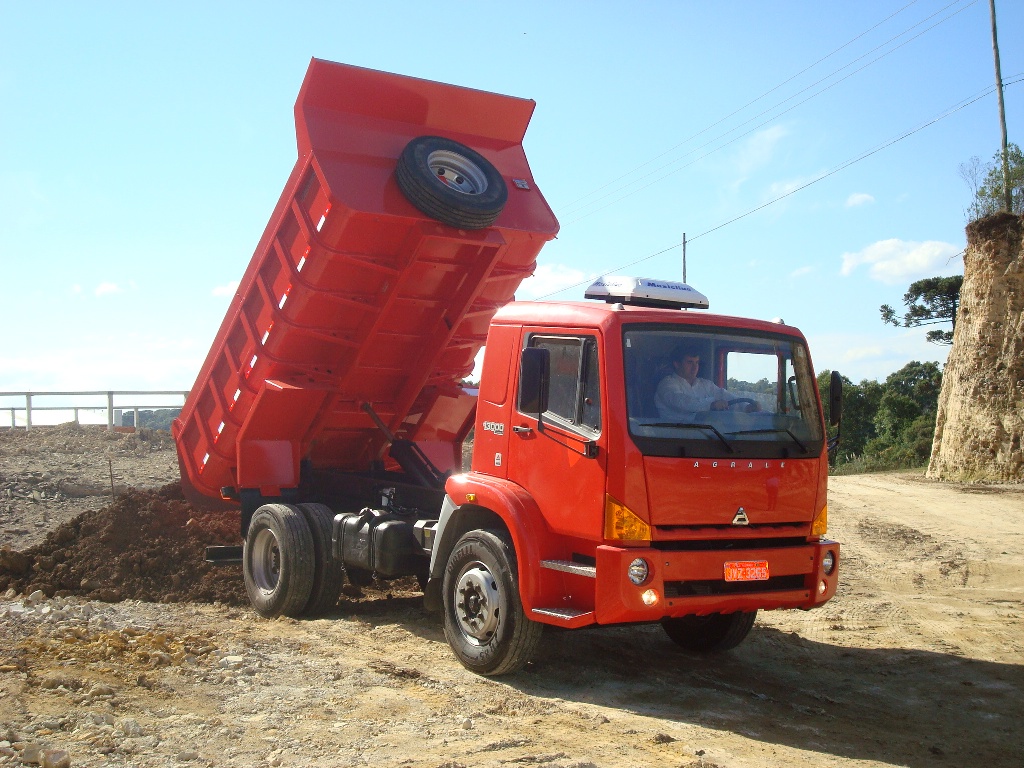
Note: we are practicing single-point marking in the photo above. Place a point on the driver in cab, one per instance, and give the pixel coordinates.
(683, 392)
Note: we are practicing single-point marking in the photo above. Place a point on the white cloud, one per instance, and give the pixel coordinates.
(896, 261)
(779, 188)
(107, 289)
(859, 198)
(99, 363)
(228, 289)
(860, 355)
(760, 148)
(801, 271)
(551, 278)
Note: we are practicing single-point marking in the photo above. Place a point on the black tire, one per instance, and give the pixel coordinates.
(450, 182)
(710, 634)
(327, 574)
(484, 621)
(278, 561)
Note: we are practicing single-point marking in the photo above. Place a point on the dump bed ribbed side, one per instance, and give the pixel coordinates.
(353, 296)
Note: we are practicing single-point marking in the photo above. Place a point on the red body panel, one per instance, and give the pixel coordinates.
(707, 492)
(618, 600)
(355, 295)
(683, 499)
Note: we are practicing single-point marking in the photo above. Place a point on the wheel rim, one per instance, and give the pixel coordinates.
(456, 172)
(266, 561)
(476, 603)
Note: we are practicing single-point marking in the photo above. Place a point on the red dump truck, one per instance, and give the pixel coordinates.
(634, 460)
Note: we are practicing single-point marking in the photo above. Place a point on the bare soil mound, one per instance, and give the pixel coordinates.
(147, 545)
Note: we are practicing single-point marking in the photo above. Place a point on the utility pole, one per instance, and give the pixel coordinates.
(1007, 192)
(684, 257)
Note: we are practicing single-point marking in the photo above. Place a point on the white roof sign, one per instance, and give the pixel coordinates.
(646, 292)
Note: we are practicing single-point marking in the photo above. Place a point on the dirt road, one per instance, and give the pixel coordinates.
(919, 661)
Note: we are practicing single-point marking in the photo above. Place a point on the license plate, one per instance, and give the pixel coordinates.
(746, 570)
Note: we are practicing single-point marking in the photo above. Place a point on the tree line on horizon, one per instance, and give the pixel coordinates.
(886, 425)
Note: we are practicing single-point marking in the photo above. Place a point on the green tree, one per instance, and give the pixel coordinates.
(905, 418)
(928, 302)
(860, 403)
(986, 183)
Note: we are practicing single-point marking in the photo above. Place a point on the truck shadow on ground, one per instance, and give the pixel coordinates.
(893, 705)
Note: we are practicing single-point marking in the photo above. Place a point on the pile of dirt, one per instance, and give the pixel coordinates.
(147, 545)
(75, 438)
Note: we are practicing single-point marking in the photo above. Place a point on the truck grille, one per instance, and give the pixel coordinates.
(674, 533)
(716, 587)
(727, 544)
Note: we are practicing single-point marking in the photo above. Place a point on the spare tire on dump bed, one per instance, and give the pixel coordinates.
(450, 182)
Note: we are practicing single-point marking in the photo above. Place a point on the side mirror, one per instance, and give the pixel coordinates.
(835, 399)
(534, 368)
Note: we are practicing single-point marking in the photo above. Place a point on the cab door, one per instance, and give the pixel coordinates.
(561, 458)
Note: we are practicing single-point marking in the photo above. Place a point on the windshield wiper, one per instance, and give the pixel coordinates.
(682, 425)
(769, 431)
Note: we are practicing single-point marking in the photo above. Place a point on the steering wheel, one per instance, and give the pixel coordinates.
(742, 401)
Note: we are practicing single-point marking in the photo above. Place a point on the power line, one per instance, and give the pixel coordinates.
(770, 109)
(863, 156)
(751, 102)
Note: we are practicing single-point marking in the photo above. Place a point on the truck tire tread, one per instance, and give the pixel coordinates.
(290, 592)
(463, 210)
(327, 573)
(710, 634)
(516, 637)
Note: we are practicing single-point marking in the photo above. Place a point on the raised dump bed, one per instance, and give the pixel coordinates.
(354, 296)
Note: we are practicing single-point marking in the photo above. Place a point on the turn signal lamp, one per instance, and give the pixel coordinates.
(622, 524)
(820, 525)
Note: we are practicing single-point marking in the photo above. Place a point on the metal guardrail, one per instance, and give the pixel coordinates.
(109, 407)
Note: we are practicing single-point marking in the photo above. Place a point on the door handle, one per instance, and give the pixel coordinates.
(522, 430)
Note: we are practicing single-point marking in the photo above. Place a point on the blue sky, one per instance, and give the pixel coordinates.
(143, 146)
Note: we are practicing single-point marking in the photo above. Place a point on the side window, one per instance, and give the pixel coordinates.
(574, 388)
(591, 405)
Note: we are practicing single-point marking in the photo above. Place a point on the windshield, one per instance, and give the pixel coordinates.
(720, 393)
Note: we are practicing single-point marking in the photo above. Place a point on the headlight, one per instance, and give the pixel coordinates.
(828, 562)
(638, 571)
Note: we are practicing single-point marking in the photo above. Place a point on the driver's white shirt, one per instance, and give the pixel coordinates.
(676, 397)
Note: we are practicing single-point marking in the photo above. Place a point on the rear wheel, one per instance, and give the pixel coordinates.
(484, 620)
(712, 633)
(278, 561)
(327, 574)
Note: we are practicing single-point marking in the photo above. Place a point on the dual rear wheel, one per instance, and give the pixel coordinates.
(287, 562)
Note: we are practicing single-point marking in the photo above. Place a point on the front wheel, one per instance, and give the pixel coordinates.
(484, 621)
(712, 633)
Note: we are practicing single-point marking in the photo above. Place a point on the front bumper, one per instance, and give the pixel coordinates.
(684, 583)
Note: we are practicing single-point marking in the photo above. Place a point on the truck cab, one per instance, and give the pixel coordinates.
(626, 505)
